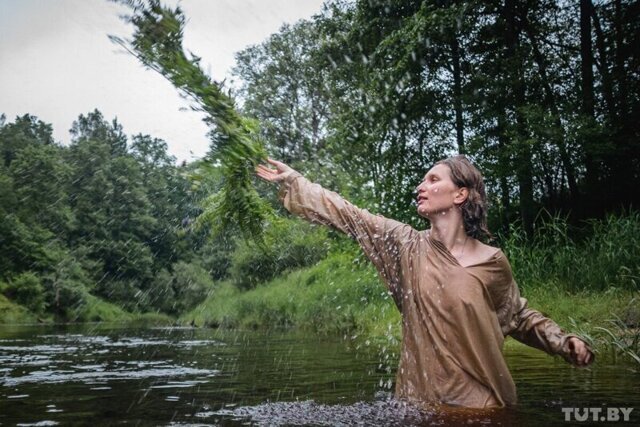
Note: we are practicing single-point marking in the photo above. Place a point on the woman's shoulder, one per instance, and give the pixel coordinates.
(486, 250)
(482, 253)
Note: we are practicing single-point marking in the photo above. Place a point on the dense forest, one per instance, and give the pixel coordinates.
(544, 96)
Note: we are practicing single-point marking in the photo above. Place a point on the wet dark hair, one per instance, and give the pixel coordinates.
(474, 208)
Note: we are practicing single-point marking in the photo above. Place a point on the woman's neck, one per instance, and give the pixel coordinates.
(448, 228)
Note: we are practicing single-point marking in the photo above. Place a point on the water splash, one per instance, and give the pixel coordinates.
(388, 413)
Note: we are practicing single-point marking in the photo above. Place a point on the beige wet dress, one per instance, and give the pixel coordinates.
(454, 318)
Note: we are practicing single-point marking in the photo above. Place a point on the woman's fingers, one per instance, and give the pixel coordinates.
(275, 162)
(263, 168)
(264, 172)
(589, 358)
(580, 353)
(282, 167)
(267, 173)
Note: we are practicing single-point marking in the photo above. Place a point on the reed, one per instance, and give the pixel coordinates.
(606, 257)
(620, 339)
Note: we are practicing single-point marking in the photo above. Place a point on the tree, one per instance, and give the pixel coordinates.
(39, 177)
(113, 215)
(25, 131)
(94, 127)
(171, 202)
(283, 89)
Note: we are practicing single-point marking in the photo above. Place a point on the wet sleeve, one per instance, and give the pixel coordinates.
(536, 330)
(516, 319)
(381, 238)
(532, 328)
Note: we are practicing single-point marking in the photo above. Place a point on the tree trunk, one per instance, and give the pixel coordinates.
(457, 93)
(505, 199)
(586, 58)
(607, 85)
(620, 159)
(619, 71)
(524, 172)
(550, 101)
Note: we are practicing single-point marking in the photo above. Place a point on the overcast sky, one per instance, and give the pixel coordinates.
(56, 63)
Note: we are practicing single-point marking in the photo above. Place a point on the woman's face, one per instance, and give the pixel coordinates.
(437, 193)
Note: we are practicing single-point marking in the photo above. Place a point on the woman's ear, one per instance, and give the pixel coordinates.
(461, 196)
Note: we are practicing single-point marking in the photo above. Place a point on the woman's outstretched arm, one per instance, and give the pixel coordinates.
(380, 238)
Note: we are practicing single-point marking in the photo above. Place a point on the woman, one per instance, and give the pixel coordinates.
(457, 296)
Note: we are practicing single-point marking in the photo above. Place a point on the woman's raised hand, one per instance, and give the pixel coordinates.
(270, 175)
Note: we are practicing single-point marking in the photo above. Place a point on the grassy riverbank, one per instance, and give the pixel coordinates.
(343, 294)
(11, 312)
(581, 282)
(93, 310)
(336, 295)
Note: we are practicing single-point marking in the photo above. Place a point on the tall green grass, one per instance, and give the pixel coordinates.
(95, 309)
(92, 309)
(606, 257)
(619, 339)
(340, 294)
(13, 313)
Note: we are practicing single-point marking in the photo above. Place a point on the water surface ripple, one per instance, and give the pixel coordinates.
(59, 375)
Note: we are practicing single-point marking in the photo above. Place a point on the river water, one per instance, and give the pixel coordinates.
(106, 375)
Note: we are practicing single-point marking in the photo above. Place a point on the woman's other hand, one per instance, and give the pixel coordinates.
(579, 352)
(270, 175)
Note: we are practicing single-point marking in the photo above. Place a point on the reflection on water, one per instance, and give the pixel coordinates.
(57, 361)
(183, 376)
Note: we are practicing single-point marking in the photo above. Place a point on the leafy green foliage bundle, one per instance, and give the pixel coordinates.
(157, 43)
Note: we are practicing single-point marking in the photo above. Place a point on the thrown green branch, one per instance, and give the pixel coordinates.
(235, 146)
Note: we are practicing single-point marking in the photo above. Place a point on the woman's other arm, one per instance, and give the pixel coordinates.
(536, 330)
(529, 326)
